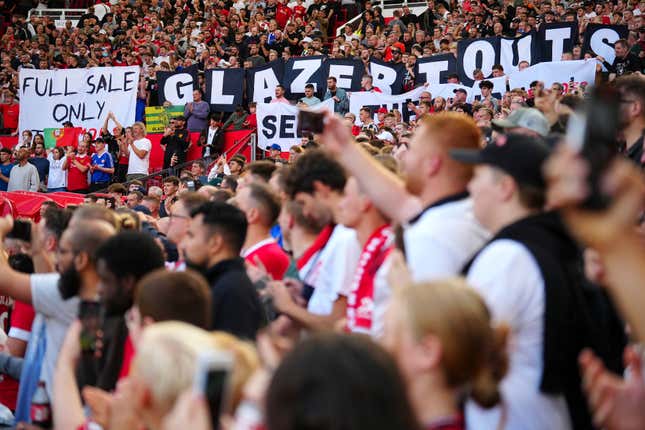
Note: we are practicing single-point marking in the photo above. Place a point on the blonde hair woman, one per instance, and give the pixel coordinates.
(447, 349)
(164, 368)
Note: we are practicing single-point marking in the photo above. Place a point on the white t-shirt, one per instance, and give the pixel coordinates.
(57, 177)
(137, 165)
(443, 240)
(58, 315)
(508, 277)
(333, 270)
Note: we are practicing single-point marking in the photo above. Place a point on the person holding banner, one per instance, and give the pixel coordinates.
(625, 62)
(279, 95)
(366, 85)
(57, 178)
(341, 101)
(309, 99)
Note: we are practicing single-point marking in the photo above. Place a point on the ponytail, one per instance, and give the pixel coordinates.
(485, 386)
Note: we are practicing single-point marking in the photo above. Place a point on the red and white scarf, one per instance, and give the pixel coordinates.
(360, 303)
(318, 245)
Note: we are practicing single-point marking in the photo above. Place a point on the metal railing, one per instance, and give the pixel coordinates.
(60, 16)
(388, 7)
(176, 170)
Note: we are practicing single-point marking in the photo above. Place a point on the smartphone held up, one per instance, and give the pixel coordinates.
(592, 131)
(21, 230)
(90, 315)
(310, 122)
(212, 377)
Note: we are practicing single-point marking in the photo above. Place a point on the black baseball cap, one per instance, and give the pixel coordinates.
(180, 118)
(460, 90)
(518, 155)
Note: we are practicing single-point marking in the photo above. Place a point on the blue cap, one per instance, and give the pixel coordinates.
(276, 146)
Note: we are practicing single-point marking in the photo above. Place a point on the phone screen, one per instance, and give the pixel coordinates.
(593, 134)
(211, 381)
(21, 230)
(89, 313)
(214, 392)
(310, 122)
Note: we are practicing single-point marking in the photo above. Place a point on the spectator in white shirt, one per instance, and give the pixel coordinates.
(139, 149)
(317, 182)
(528, 276)
(440, 233)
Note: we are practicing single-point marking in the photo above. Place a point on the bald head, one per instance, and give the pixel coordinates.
(87, 235)
(93, 213)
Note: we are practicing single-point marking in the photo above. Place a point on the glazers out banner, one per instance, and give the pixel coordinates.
(225, 88)
(575, 73)
(277, 122)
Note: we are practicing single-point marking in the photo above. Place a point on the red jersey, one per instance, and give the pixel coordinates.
(274, 259)
(77, 180)
(21, 319)
(299, 11)
(10, 114)
(282, 15)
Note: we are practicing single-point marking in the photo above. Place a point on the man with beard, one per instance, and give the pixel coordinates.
(212, 245)
(55, 298)
(439, 232)
(121, 262)
(632, 116)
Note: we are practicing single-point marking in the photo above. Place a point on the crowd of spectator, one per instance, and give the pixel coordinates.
(439, 273)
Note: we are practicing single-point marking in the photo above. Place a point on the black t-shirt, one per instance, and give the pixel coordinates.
(278, 46)
(112, 144)
(635, 152)
(623, 66)
(313, 7)
(409, 18)
(326, 7)
(177, 144)
(269, 11)
(236, 303)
